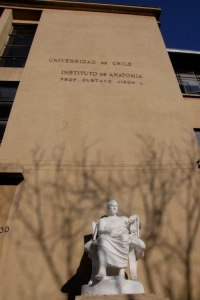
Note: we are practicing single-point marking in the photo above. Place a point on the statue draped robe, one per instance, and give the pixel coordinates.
(114, 250)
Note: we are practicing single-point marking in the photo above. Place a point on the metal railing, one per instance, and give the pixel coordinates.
(189, 82)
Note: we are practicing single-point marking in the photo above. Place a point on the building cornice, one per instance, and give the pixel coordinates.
(183, 51)
(83, 6)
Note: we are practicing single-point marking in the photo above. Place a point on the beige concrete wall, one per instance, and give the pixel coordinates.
(193, 108)
(100, 114)
(11, 74)
(83, 142)
(52, 211)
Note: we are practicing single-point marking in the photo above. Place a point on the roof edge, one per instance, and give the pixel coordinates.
(182, 51)
(86, 6)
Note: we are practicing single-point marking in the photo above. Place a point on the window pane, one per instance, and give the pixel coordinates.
(16, 51)
(197, 133)
(24, 30)
(2, 129)
(20, 40)
(12, 62)
(8, 91)
(18, 45)
(189, 82)
(5, 108)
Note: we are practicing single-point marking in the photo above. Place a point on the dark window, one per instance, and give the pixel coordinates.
(189, 82)
(8, 90)
(197, 133)
(186, 65)
(18, 46)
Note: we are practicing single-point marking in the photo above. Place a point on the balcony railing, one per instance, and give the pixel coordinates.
(189, 82)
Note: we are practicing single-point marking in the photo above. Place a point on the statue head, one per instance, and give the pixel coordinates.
(112, 207)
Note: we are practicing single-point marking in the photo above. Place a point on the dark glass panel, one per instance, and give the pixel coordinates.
(19, 63)
(1, 11)
(5, 108)
(18, 46)
(12, 62)
(20, 40)
(2, 129)
(24, 30)
(8, 91)
(16, 51)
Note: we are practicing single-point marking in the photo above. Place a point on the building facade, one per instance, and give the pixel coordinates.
(91, 110)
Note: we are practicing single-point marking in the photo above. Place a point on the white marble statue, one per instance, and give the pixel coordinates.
(115, 243)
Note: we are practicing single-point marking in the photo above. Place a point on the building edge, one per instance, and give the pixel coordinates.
(80, 6)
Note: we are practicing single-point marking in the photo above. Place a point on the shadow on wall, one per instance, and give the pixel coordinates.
(82, 276)
(55, 211)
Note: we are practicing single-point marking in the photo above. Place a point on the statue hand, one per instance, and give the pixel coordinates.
(118, 231)
(132, 219)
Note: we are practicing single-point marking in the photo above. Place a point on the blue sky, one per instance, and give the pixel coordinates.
(180, 20)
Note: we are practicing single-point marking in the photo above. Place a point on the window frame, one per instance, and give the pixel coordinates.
(4, 119)
(17, 60)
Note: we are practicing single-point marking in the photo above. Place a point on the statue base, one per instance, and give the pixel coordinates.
(123, 297)
(111, 285)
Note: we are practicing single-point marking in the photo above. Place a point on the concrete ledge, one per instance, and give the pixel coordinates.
(11, 174)
(11, 74)
(121, 9)
(124, 297)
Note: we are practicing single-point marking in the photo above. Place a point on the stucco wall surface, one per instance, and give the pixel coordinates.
(98, 115)
(193, 108)
(103, 114)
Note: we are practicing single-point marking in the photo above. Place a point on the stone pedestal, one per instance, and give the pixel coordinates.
(123, 297)
(113, 285)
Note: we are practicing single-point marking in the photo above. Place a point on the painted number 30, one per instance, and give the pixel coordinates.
(4, 229)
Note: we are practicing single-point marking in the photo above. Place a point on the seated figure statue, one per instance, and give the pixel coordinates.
(114, 239)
